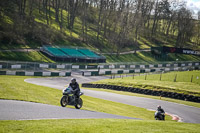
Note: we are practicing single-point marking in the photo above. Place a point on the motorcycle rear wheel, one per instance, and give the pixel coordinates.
(64, 101)
(79, 104)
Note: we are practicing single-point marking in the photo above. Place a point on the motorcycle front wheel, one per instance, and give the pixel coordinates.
(64, 101)
(79, 104)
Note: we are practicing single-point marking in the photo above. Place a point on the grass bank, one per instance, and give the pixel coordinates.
(33, 56)
(147, 57)
(96, 126)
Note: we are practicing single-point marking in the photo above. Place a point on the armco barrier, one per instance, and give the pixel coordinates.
(145, 91)
(137, 70)
(32, 65)
(21, 73)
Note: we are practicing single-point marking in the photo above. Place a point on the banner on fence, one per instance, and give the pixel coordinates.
(164, 50)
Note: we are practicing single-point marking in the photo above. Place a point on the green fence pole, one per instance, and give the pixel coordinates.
(146, 77)
(191, 78)
(160, 76)
(175, 78)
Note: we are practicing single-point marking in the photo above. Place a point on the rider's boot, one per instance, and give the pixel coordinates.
(76, 99)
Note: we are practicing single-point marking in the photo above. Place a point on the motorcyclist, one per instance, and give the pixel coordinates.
(160, 111)
(75, 88)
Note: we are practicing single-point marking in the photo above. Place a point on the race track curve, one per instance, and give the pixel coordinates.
(186, 113)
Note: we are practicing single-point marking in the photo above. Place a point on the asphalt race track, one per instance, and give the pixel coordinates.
(21, 110)
(186, 113)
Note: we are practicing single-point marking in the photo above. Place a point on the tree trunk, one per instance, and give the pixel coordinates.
(169, 25)
(46, 11)
(30, 7)
(99, 20)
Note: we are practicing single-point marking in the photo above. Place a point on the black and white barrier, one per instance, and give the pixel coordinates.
(4, 65)
(22, 73)
(127, 71)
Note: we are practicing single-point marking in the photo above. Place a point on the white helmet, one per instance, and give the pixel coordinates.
(73, 79)
(159, 106)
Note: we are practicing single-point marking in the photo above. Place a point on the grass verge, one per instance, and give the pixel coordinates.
(96, 126)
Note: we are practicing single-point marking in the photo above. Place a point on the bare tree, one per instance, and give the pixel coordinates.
(84, 18)
(101, 16)
(185, 27)
(72, 12)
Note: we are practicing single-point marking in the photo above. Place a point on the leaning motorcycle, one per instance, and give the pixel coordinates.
(159, 115)
(69, 98)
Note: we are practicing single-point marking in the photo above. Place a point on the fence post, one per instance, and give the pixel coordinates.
(175, 78)
(146, 77)
(160, 76)
(191, 78)
(133, 76)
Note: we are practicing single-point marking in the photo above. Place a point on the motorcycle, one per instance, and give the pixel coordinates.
(69, 98)
(159, 115)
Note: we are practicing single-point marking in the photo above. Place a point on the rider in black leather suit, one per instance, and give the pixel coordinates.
(75, 87)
